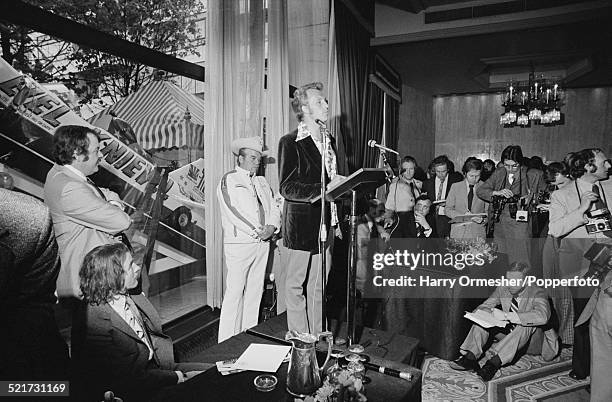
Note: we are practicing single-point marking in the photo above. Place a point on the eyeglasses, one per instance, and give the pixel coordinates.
(513, 166)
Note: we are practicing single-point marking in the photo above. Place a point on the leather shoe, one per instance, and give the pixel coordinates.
(464, 364)
(487, 372)
(575, 376)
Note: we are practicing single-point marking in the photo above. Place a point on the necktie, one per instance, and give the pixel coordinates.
(137, 324)
(419, 230)
(331, 168)
(439, 196)
(514, 308)
(122, 236)
(514, 305)
(470, 197)
(262, 213)
(511, 178)
(412, 191)
(599, 204)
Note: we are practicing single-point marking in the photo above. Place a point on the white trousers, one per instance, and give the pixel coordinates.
(246, 270)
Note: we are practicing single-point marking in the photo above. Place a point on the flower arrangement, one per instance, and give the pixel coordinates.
(340, 385)
(474, 246)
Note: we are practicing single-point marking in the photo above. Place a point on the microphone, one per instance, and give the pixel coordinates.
(373, 144)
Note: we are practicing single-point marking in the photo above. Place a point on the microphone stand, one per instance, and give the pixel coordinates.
(323, 227)
(388, 169)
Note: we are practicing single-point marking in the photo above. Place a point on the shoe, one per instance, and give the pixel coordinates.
(575, 376)
(487, 372)
(464, 364)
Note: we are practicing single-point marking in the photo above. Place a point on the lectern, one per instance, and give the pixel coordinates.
(362, 181)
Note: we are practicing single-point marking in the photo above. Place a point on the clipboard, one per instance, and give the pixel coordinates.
(467, 217)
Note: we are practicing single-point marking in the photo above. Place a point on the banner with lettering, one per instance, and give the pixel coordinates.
(42, 107)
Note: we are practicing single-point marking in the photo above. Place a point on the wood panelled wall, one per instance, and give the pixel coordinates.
(416, 128)
(469, 125)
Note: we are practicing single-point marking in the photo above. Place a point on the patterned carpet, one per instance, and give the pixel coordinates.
(529, 379)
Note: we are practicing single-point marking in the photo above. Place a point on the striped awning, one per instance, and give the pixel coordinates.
(157, 113)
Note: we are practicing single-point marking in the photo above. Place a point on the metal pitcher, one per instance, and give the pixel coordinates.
(304, 374)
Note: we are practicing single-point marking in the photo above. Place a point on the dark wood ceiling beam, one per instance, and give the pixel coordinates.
(412, 6)
(37, 19)
(503, 26)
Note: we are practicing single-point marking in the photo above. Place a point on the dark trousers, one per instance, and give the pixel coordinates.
(581, 356)
(442, 225)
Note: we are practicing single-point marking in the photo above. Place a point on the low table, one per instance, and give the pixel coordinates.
(212, 386)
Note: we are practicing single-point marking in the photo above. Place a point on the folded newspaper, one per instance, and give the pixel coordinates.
(485, 319)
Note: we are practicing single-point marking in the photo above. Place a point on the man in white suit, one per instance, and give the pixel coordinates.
(83, 215)
(569, 213)
(250, 217)
(462, 200)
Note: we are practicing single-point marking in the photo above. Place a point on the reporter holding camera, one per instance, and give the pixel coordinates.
(579, 214)
(517, 185)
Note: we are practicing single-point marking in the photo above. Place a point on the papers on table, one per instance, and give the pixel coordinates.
(467, 217)
(485, 319)
(262, 357)
(226, 367)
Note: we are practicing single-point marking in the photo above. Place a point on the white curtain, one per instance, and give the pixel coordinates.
(236, 103)
(333, 90)
(278, 113)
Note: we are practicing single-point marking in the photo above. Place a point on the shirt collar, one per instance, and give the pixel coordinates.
(243, 171)
(76, 171)
(303, 131)
(585, 184)
(118, 301)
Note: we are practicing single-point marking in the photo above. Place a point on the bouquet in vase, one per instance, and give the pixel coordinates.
(475, 246)
(340, 385)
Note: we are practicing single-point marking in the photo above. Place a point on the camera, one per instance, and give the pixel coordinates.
(598, 225)
(521, 216)
(599, 221)
(600, 257)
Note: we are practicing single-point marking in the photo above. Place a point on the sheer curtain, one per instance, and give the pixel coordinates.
(277, 111)
(234, 107)
(238, 104)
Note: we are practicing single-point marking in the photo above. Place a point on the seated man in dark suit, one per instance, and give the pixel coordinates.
(117, 339)
(415, 223)
(526, 311)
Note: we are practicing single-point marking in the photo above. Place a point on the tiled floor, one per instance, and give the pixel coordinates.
(176, 302)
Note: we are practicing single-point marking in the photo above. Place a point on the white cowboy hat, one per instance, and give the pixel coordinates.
(254, 143)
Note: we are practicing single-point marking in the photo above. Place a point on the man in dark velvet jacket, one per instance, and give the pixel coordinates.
(299, 155)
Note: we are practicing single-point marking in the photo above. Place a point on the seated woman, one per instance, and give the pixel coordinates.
(462, 200)
(117, 341)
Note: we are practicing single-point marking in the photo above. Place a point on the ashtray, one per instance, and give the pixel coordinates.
(265, 382)
(356, 348)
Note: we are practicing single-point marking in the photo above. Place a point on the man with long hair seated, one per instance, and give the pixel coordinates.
(117, 340)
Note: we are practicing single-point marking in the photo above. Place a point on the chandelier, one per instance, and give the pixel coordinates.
(537, 101)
